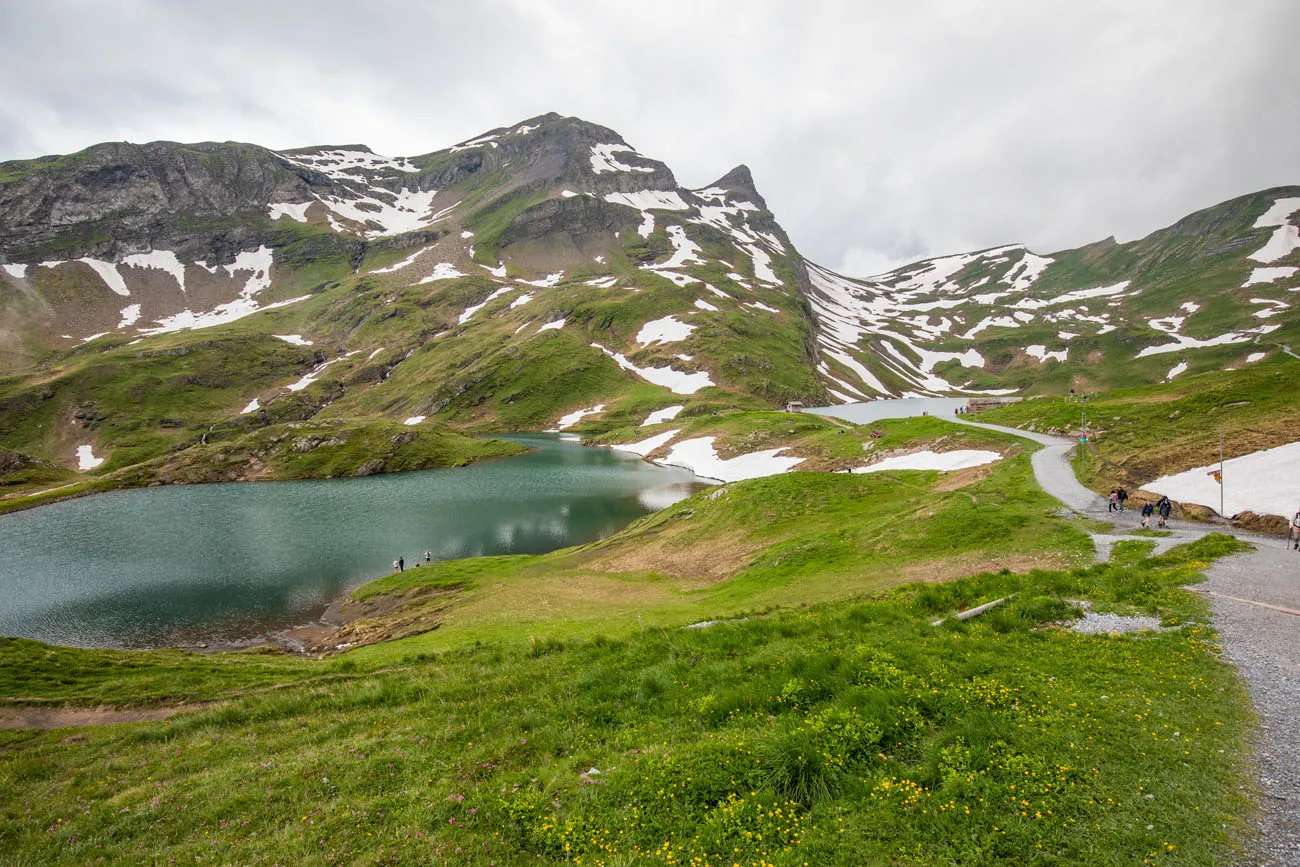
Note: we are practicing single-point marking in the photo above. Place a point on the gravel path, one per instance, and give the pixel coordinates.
(1262, 642)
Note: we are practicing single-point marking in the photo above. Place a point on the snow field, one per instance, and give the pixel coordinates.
(704, 305)
(552, 326)
(445, 271)
(930, 460)
(699, 456)
(397, 266)
(86, 459)
(674, 380)
(665, 330)
(1264, 482)
(568, 421)
(1285, 237)
(253, 406)
(18, 272)
(471, 310)
(161, 260)
(603, 159)
(1180, 367)
(1040, 352)
(413, 420)
(295, 339)
(668, 413)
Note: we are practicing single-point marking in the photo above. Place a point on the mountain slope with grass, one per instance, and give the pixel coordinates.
(165, 296)
(170, 297)
(1215, 290)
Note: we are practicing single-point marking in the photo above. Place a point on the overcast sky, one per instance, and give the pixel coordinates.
(879, 132)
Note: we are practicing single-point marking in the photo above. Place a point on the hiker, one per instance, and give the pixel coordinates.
(1147, 511)
(1164, 507)
(1295, 531)
(394, 565)
(428, 556)
(1123, 495)
(1113, 503)
(401, 564)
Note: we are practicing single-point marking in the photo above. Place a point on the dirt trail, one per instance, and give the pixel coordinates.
(69, 717)
(1255, 596)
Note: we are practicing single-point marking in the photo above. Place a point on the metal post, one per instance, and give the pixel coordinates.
(1083, 445)
(1221, 514)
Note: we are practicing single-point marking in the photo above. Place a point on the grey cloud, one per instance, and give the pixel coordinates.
(878, 132)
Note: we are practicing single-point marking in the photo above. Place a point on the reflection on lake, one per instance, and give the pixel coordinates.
(228, 562)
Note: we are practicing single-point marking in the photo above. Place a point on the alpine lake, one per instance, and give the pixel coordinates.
(228, 563)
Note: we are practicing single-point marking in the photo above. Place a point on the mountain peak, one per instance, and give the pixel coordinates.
(740, 181)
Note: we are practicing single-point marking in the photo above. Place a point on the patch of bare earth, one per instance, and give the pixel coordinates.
(350, 623)
(47, 718)
(952, 568)
(666, 552)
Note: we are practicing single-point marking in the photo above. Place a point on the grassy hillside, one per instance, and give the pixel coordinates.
(1139, 434)
(847, 733)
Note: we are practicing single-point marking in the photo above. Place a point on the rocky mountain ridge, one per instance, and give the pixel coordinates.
(541, 275)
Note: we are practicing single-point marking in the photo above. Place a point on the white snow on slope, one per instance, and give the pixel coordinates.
(665, 330)
(521, 301)
(668, 413)
(1264, 482)
(684, 250)
(992, 322)
(1184, 342)
(1180, 367)
(130, 316)
(107, 272)
(409, 210)
(253, 406)
(552, 326)
(704, 305)
(1023, 274)
(86, 459)
(762, 264)
(295, 339)
(372, 355)
(258, 263)
(676, 381)
(397, 266)
(568, 421)
(312, 376)
(759, 305)
(296, 211)
(646, 446)
(644, 200)
(928, 460)
(498, 271)
(1255, 356)
(546, 282)
(162, 260)
(18, 272)
(413, 420)
(603, 159)
(1268, 275)
(1084, 294)
(470, 311)
(444, 271)
(1285, 238)
(1040, 352)
(699, 456)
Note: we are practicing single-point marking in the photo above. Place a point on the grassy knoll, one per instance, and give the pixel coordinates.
(851, 733)
(1139, 434)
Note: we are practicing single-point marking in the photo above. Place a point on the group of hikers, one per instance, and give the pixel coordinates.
(1163, 507)
(399, 565)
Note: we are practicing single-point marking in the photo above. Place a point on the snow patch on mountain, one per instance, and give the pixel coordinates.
(704, 305)
(676, 381)
(1269, 275)
(699, 456)
(18, 272)
(1040, 352)
(659, 416)
(603, 159)
(161, 260)
(1286, 237)
(665, 330)
(959, 459)
(568, 421)
(130, 316)
(107, 272)
(86, 459)
(296, 211)
(442, 271)
(397, 266)
(1264, 482)
(646, 200)
(552, 326)
(471, 310)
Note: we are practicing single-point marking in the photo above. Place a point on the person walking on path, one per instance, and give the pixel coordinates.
(1164, 507)
(1122, 495)
(1113, 503)
(1295, 531)
(1147, 511)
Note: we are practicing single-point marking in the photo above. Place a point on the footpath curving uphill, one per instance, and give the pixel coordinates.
(1255, 596)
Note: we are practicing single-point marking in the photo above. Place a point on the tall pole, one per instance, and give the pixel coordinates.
(1083, 445)
(1221, 514)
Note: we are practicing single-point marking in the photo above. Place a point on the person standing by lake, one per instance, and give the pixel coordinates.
(428, 556)
(394, 565)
